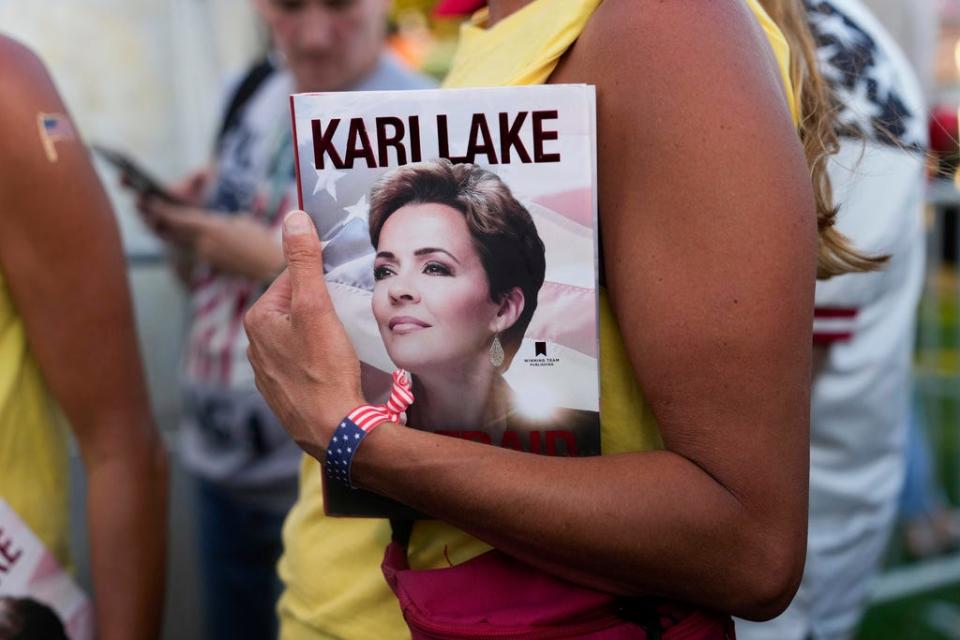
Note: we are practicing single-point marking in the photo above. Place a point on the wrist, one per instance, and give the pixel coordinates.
(339, 410)
(361, 421)
(325, 426)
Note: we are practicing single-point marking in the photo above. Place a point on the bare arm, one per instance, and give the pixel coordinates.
(709, 236)
(60, 252)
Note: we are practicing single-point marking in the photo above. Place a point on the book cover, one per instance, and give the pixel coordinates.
(33, 586)
(460, 244)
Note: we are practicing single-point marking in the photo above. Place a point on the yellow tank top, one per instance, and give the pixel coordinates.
(33, 452)
(331, 567)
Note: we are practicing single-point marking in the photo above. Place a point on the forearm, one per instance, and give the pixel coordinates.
(260, 259)
(234, 244)
(127, 516)
(635, 524)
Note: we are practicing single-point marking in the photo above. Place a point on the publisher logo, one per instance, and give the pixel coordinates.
(540, 357)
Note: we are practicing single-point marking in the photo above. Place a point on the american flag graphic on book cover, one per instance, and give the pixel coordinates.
(459, 235)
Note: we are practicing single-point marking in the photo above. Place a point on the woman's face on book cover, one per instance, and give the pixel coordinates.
(431, 296)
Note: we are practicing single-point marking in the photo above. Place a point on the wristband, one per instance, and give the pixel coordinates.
(360, 422)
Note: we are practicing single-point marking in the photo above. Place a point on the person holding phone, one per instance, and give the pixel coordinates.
(67, 337)
(225, 242)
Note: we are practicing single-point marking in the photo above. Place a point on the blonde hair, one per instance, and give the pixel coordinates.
(818, 132)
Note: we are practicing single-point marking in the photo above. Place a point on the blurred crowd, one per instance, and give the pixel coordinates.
(192, 445)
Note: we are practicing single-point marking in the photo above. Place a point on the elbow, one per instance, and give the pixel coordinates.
(768, 575)
(130, 446)
(150, 457)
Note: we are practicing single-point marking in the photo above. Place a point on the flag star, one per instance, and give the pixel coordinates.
(358, 211)
(327, 181)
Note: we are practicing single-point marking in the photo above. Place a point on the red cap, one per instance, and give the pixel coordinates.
(449, 8)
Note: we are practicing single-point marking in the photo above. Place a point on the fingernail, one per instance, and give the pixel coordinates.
(297, 223)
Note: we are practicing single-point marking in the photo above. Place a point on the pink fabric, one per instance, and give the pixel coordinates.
(575, 205)
(457, 7)
(494, 595)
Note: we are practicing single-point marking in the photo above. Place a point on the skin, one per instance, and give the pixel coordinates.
(719, 274)
(432, 303)
(235, 244)
(60, 254)
(327, 45)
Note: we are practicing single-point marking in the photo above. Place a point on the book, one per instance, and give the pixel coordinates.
(459, 234)
(31, 579)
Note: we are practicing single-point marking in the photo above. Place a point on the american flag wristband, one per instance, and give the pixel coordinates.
(361, 422)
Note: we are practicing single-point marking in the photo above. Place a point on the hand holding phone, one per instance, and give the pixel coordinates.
(136, 177)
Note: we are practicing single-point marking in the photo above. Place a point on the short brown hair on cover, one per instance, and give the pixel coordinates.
(502, 230)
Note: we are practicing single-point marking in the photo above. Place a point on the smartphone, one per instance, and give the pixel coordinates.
(137, 178)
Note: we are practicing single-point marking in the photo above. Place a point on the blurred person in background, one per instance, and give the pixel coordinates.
(863, 323)
(225, 239)
(914, 24)
(930, 524)
(66, 331)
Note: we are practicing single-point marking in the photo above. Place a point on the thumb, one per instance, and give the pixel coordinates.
(274, 303)
(301, 248)
(276, 299)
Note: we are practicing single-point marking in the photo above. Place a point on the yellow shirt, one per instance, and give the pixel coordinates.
(33, 452)
(331, 567)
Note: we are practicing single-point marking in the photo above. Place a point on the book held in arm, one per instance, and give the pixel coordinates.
(459, 234)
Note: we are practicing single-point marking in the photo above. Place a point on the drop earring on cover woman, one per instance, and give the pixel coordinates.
(496, 352)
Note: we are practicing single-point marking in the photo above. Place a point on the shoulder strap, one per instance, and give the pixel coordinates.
(400, 532)
(255, 77)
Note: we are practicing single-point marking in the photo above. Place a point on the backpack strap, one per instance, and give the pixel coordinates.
(400, 532)
(248, 86)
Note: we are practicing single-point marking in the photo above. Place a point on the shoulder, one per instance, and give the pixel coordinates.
(25, 76)
(41, 146)
(684, 58)
(665, 35)
(690, 76)
(29, 92)
(14, 55)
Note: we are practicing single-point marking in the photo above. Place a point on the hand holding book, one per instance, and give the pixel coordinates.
(305, 365)
(467, 260)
